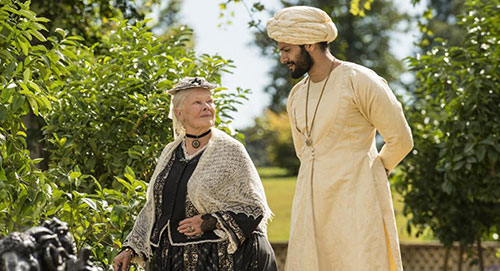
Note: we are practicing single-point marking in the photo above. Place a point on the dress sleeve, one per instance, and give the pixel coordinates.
(138, 238)
(378, 104)
(237, 227)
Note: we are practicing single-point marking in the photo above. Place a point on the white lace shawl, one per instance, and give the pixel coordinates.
(225, 179)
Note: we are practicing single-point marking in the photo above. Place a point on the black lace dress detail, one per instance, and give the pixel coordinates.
(173, 251)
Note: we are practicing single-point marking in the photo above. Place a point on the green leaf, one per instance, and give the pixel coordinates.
(10, 68)
(457, 157)
(25, 91)
(469, 148)
(28, 14)
(481, 153)
(34, 86)
(6, 55)
(33, 104)
(130, 171)
(133, 154)
(123, 182)
(61, 32)
(75, 38)
(3, 113)
(69, 54)
(11, 10)
(2, 175)
(75, 174)
(42, 19)
(90, 203)
(458, 165)
(471, 159)
(27, 74)
(17, 102)
(38, 35)
(46, 102)
(447, 187)
(24, 47)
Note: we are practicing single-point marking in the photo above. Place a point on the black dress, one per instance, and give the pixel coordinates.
(173, 251)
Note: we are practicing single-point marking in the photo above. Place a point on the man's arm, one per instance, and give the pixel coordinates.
(380, 107)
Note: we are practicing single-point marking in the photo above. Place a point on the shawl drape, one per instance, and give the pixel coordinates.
(225, 179)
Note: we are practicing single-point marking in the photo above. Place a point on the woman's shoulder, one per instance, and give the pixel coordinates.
(170, 147)
(226, 142)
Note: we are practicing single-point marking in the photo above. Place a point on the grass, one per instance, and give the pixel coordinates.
(279, 192)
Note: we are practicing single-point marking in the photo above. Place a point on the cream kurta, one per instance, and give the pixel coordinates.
(343, 199)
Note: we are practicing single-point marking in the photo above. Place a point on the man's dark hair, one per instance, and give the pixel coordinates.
(322, 45)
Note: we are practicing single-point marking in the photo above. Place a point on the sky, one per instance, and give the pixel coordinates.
(232, 42)
(235, 42)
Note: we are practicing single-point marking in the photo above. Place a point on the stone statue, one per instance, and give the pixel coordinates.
(44, 248)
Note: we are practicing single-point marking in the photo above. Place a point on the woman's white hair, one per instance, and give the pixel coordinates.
(177, 102)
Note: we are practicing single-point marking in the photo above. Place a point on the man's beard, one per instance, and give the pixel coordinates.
(303, 64)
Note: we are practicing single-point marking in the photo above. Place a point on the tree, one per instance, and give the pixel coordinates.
(268, 142)
(27, 73)
(440, 20)
(105, 111)
(451, 181)
(113, 110)
(90, 19)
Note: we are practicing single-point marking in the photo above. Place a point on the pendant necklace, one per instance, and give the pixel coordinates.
(308, 140)
(196, 143)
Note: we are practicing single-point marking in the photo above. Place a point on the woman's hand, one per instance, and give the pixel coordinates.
(191, 226)
(122, 260)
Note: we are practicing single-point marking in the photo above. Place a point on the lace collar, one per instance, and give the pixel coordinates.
(191, 156)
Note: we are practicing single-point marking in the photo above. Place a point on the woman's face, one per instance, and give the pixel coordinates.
(198, 111)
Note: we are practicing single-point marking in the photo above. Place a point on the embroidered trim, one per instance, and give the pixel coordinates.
(189, 242)
(234, 227)
(229, 229)
(158, 198)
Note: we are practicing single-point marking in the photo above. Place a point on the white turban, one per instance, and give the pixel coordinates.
(301, 25)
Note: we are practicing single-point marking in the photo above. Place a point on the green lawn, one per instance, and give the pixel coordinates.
(280, 190)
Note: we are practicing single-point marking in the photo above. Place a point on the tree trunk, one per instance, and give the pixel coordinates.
(480, 254)
(34, 138)
(446, 258)
(460, 257)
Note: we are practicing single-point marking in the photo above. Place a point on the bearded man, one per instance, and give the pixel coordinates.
(342, 212)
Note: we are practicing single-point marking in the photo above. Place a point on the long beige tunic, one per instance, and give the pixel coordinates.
(342, 213)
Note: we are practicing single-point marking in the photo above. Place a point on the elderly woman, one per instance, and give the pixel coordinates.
(206, 208)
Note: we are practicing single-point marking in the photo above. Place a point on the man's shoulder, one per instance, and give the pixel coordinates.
(354, 69)
(296, 88)
(302, 82)
(298, 85)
